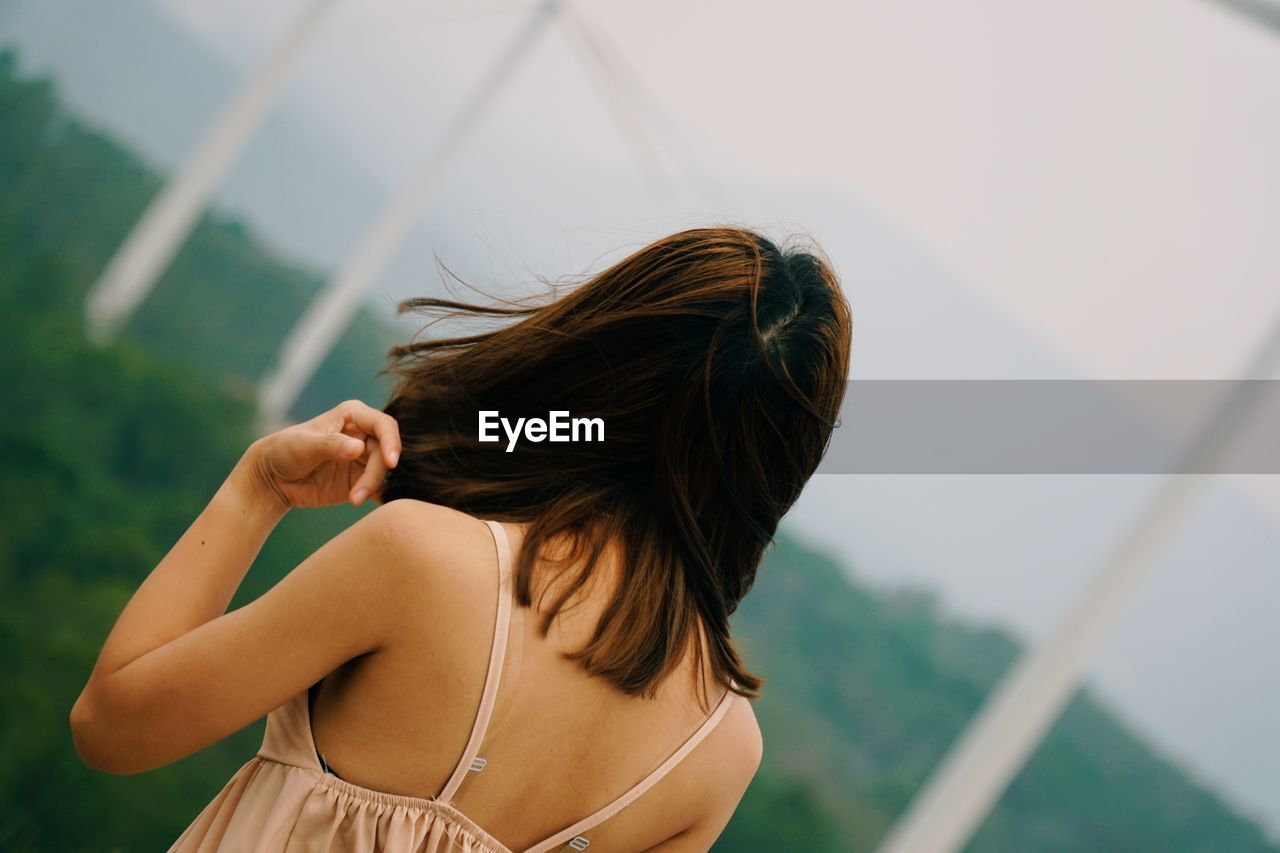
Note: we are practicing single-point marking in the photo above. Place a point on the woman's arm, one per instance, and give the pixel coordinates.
(196, 580)
(176, 672)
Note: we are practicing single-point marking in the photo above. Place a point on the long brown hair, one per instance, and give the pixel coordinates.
(717, 360)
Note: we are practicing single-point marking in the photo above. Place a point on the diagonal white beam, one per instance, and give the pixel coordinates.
(614, 98)
(329, 314)
(168, 220)
(630, 86)
(1019, 712)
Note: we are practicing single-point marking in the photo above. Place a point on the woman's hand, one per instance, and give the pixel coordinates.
(343, 454)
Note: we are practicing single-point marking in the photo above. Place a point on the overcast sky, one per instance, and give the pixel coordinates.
(1105, 171)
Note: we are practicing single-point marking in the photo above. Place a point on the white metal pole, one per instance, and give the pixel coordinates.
(329, 314)
(971, 778)
(633, 132)
(631, 87)
(169, 219)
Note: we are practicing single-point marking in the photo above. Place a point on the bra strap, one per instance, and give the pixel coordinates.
(572, 833)
(496, 655)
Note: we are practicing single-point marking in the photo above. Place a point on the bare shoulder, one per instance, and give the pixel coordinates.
(743, 748)
(432, 555)
(736, 751)
(418, 525)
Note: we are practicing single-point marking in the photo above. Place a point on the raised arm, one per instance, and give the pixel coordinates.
(177, 672)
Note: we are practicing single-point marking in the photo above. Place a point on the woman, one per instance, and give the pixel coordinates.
(526, 646)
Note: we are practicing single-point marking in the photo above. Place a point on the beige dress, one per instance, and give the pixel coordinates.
(283, 801)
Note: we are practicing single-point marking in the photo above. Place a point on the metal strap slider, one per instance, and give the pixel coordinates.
(478, 764)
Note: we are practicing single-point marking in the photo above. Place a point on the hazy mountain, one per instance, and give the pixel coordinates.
(129, 69)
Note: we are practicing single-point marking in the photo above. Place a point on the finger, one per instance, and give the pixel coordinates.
(375, 471)
(336, 445)
(376, 423)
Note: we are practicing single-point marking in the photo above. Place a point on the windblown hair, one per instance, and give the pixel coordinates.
(718, 362)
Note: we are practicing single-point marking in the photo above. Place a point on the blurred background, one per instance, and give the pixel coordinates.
(1008, 190)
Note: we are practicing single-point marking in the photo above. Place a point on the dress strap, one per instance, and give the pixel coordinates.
(573, 835)
(501, 626)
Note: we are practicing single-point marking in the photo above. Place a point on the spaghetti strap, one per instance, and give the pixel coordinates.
(573, 834)
(501, 626)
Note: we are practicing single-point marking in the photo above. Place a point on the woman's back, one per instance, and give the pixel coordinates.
(558, 746)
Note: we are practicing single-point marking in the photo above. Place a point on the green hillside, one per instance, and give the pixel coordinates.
(865, 692)
(224, 305)
(109, 453)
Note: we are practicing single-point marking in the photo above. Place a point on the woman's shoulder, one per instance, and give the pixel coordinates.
(435, 550)
(745, 729)
(717, 775)
(424, 524)
(741, 747)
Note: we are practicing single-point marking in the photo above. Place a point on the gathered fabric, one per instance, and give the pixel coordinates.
(283, 801)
